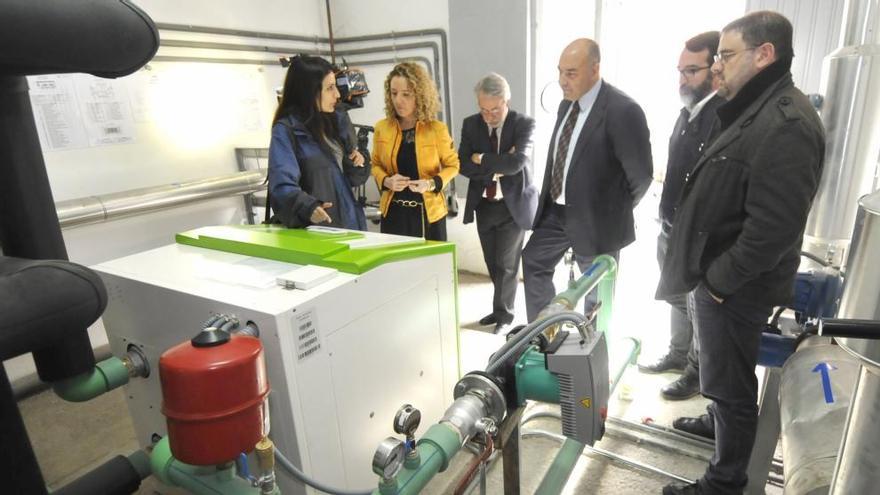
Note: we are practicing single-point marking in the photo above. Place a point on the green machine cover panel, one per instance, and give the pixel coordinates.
(306, 247)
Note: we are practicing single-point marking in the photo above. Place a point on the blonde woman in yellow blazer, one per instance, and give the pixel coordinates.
(413, 156)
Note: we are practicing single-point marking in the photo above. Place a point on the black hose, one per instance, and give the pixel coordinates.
(857, 329)
(317, 485)
(815, 258)
(115, 477)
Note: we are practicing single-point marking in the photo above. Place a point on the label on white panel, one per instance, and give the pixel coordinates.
(105, 110)
(142, 87)
(305, 334)
(59, 124)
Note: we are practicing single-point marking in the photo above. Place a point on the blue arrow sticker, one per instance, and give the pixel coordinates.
(824, 368)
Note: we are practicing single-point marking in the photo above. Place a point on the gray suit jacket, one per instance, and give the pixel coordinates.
(610, 171)
(520, 195)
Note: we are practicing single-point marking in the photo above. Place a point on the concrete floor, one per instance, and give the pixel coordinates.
(69, 438)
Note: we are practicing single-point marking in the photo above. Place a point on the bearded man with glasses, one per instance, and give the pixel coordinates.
(735, 245)
(696, 87)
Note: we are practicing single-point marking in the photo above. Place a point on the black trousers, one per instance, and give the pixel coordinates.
(502, 241)
(729, 335)
(412, 221)
(545, 248)
(682, 341)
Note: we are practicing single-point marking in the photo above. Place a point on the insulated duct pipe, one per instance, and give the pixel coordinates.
(851, 116)
(97, 209)
(103, 38)
(857, 469)
(814, 395)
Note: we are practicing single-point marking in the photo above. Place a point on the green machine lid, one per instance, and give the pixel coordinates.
(346, 251)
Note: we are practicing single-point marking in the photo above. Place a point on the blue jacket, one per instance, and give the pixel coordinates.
(302, 176)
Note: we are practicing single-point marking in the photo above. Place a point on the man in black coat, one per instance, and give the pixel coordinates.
(735, 245)
(495, 150)
(689, 136)
(598, 168)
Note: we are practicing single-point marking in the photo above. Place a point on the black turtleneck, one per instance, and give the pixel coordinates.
(752, 89)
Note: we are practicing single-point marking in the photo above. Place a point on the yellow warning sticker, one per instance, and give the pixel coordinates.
(587, 402)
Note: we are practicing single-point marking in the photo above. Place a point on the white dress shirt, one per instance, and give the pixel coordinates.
(586, 103)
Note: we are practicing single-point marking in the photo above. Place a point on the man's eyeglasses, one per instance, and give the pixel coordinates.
(690, 72)
(725, 56)
(492, 111)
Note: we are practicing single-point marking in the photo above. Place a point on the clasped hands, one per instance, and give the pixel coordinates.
(399, 182)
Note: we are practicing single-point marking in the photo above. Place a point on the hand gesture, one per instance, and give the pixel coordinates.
(357, 158)
(396, 182)
(320, 214)
(420, 186)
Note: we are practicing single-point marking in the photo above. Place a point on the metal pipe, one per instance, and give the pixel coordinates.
(444, 45)
(678, 435)
(857, 469)
(860, 23)
(330, 32)
(621, 430)
(97, 209)
(857, 464)
(273, 62)
(609, 455)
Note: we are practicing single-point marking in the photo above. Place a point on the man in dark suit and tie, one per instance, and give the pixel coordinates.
(598, 168)
(494, 154)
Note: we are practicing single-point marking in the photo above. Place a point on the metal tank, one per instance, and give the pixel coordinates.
(814, 397)
(851, 116)
(858, 464)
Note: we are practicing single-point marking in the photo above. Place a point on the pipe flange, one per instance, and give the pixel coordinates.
(484, 387)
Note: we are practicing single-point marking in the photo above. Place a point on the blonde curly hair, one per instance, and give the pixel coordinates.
(427, 99)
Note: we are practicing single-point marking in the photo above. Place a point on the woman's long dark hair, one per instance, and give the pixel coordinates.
(302, 90)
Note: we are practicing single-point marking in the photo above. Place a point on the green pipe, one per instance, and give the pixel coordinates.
(439, 444)
(106, 375)
(533, 381)
(601, 267)
(559, 471)
(631, 357)
(606, 295)
(199, 480)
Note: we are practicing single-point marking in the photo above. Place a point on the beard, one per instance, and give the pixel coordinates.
(691, 96)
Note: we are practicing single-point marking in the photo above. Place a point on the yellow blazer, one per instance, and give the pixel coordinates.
(435, 155)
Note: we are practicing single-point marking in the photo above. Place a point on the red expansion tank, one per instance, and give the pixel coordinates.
(214, 396)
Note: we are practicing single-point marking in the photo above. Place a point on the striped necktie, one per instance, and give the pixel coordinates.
(562, 152)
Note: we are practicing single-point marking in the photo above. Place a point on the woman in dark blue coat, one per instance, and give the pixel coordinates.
(313, 163)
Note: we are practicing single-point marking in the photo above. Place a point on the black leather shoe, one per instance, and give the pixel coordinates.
(687, 386)
(679, 489)
(664, 364)
(700, 426)
(489, 319)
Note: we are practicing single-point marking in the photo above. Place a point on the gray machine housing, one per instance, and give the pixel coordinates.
(582, 370)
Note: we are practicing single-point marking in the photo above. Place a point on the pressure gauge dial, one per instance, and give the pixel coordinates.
(407, 420)
(389, 457)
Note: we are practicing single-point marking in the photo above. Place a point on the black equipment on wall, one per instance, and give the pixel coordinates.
(48, 305)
